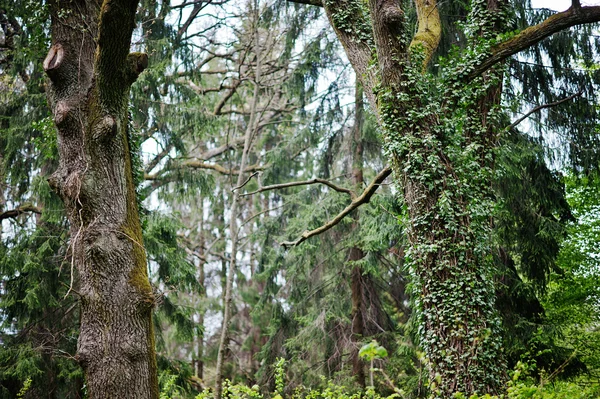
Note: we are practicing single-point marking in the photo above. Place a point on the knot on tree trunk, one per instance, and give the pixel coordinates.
(106, 127)
(54, 60)
(136, 64)
(390, 12)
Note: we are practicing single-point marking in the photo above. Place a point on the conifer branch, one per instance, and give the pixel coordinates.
(364, 198)
(304, 183)
(205, 156)
(195, 164)
(13, 213)
(576, 15)
(541, 107)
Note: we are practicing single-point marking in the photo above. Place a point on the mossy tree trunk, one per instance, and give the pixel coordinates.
(90, 71)
(440, 133)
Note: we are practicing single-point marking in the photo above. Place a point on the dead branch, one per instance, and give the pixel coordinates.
(13, 213)
(209, 154)
(364, 198)
(318, 3)
(196, 164)
(304, 183)
(541, 107)
(245, 182)
(158, 158)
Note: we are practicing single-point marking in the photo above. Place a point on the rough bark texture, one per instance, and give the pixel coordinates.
(90, 71)
(458, 323)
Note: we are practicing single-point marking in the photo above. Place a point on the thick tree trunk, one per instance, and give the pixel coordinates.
(90, 71)
(445, 193)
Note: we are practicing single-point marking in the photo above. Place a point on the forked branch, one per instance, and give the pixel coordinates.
(364, 198)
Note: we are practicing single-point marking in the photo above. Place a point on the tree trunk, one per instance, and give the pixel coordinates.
(445, 182)
(199, 361)
(91, 71)
(233, 225)
(355, 253)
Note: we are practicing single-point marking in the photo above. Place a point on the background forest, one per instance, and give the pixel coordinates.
(266, 199)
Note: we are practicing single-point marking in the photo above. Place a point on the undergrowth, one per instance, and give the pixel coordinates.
(521, 386)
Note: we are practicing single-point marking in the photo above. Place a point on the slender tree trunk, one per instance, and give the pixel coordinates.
(90, 71)
(199, 363)
(233, 225)
(355, 253)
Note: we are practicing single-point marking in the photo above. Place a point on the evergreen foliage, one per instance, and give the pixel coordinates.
(273, 71)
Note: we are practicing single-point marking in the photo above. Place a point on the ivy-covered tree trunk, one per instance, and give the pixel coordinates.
(91, 70)
(440, 134)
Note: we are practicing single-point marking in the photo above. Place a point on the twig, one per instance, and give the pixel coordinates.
(196, 164)
(541, 107)
(364, 198)
(260, 213)
(244, 183)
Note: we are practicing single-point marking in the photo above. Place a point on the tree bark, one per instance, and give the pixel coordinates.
(355, 253)
(91, 71)
(449, 247)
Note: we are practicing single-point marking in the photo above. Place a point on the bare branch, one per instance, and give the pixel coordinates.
(13, 213)
(196, 164)
(209, 154)
(198, 6)
(226, 97)
(303, 183)
(543, 106)
(364, 198)
(159, 157)
(576, 15)
(244, 183)
(318, 3)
